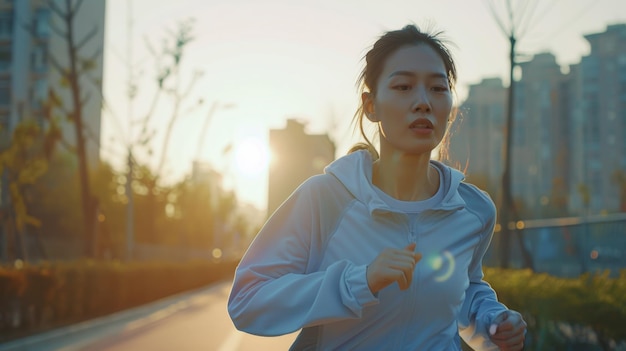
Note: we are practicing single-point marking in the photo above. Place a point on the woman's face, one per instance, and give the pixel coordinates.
(413, 101)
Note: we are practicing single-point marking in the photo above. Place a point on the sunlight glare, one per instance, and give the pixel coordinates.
(252, 156)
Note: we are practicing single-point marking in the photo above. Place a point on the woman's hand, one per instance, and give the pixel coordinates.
(508, 331)
(392, 265)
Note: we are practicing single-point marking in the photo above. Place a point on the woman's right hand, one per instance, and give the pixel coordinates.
(393, 265)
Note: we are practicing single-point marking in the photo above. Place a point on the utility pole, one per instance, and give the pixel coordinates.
(507, 198)
(508, 211)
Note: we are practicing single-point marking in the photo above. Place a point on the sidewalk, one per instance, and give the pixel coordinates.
(81, 334)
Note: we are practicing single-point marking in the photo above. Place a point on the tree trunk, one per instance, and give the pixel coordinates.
(87, 200)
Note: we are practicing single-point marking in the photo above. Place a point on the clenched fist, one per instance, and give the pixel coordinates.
(508, 331)
(393, 265)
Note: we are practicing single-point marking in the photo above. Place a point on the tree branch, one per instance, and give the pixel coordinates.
(57, 30)
(58, 66)
(53, 6)
(96, 54)
(495, 16)
(76, 7)
(86, 99)
(67, 145)
(87, 38)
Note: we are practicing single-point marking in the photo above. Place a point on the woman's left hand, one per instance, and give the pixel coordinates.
(508, 330)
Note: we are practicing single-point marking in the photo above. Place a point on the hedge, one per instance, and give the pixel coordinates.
(565, 312)
(34, 298)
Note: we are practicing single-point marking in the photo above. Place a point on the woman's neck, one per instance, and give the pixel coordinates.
(406, 177)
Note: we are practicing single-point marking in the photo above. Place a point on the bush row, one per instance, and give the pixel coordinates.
(561, 312)
(37, 297)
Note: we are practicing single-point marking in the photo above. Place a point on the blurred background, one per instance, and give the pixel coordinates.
(167, 131)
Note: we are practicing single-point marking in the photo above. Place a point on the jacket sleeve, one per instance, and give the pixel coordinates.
(277, 288)
(481, 304)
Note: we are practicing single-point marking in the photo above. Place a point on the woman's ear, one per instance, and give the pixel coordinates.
(367, 100)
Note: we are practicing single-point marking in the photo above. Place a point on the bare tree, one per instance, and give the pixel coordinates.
(139, 134)
(14, 170)
(77, 65)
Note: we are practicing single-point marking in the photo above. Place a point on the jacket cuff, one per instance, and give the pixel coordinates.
(356, 280)
(482, 328)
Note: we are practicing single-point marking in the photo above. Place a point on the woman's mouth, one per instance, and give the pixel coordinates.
(421, 126)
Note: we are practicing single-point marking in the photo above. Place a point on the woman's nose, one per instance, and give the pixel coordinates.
(421, 102)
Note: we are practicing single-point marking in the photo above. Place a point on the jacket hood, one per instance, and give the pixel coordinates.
(354, 171)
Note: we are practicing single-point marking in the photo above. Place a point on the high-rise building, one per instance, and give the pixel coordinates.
(569, 132)
(599, 122)
(476, 143)
(33, 54)
(540, 130)
(296, 156)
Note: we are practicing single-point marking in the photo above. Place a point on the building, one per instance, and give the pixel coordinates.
(477, 135)
(599, 122)
(569, 132)
(30, 47)
(541, 126)
(34, 55)
(296, 156)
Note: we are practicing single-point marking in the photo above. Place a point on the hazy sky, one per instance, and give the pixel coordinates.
(278, 59)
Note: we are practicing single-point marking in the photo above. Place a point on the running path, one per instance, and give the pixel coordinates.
(202, 325)
(195, 321)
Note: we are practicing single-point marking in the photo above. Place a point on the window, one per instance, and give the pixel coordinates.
(42, 22)
(4, 122)
(40, 93)
(39, 58)
(5, 59)
(6, 24)
(4, 94)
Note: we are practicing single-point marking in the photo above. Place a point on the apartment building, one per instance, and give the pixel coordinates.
(538, 131)
(297, 156)
(31, 40)
(569, 131)
(478, 132)
(599, 121)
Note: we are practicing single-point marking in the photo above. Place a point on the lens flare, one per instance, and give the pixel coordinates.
(443, 265)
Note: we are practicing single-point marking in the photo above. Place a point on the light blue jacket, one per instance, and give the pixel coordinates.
(306, 268)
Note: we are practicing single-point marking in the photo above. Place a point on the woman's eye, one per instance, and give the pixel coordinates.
(402, 87)
(440, 88)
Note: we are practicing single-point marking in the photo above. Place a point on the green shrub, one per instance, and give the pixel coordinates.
(37, 297)
(562, 310)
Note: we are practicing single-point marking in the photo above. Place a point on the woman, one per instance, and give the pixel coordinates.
(384, 250)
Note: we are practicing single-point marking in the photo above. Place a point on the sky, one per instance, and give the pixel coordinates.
(262, 62)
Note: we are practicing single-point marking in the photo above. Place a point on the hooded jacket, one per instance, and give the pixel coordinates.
(306, 268)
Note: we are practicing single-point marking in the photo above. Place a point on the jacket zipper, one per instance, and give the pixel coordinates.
(413, 236)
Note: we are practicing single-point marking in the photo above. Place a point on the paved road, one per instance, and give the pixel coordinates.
(191, 322)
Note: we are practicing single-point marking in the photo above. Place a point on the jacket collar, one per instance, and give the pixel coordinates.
(354, 171)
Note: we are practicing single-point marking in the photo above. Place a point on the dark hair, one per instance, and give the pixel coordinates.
(375, 60)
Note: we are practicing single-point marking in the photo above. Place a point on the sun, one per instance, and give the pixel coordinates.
(252, 156)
